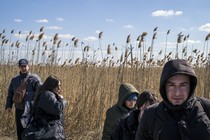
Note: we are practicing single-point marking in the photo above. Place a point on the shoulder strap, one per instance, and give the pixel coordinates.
(206, 105)
(25, 79)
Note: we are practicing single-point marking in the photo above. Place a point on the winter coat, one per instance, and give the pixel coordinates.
(127, 127)
(165, 121)
(118, 111)
(49, 107)
(32, 83)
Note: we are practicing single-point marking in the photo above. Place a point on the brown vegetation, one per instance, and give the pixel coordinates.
(91, 85)
(90, 91)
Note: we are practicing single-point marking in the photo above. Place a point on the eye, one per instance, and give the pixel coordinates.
(169, 84)
(184, 85)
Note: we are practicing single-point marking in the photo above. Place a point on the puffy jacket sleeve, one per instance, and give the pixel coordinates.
(146, 125)
(9, 101)
(117, 133)
(109, 124)
(50, 104)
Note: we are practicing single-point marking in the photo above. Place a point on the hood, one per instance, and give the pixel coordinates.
(174, 67)
(125, 90)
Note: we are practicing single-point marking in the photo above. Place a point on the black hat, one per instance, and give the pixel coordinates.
(23, 62)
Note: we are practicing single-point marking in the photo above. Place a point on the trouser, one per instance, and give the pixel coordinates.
(19, 127)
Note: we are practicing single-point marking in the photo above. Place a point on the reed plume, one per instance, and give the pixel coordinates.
(207, 37)
(41, 29)
(108, 49)
(100, 35)
(128, 40)
(12, 31)
(76, 42)
(40, 36)
(99, 38)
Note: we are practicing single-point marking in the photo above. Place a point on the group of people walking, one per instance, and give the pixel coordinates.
(47, 99)
(180, 115)
(122, 119)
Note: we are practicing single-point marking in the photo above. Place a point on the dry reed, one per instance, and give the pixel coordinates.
(90, 91)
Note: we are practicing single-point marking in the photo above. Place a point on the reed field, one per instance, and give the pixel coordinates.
(90, 91)
(89, 84)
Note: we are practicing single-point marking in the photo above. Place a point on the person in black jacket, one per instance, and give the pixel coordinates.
(32, 83)
(49, 105)
(127, 127)
(127, 97)
(180, 115)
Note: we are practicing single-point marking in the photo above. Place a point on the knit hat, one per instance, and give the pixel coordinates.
(132, 96)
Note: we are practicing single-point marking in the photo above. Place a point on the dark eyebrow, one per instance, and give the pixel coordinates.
(169, 82)
(185, 82)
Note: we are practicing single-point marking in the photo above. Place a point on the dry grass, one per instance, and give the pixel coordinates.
(90, 91)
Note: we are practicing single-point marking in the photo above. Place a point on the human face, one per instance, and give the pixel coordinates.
(143, 107)
(57, 89)
(130, 103)
(24, 68)
(178, 89)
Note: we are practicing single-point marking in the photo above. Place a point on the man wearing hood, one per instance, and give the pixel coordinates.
(180, 115)
(126, 102)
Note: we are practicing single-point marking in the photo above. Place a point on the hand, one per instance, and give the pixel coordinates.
(9, 110)
(61, 96)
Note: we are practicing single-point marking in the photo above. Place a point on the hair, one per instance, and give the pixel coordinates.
(49, 84)
(146, 96)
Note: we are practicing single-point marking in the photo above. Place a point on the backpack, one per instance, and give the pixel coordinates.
(20, 92)
(205, 104)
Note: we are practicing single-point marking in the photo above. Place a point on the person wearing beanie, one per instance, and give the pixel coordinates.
(127, 127)
(126, 102)
(32, 82)
(180, 115)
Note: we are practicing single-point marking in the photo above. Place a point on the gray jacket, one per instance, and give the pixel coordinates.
(32, 83)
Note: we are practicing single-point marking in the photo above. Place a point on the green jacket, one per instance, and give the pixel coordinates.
(118, 111)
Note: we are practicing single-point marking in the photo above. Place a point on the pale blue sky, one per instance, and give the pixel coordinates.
(84, 19)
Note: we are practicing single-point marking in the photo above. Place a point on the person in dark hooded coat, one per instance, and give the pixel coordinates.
(127, 127)
(180, 115)
(126, 102)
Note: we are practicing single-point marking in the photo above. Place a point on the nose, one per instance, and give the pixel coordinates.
(177, 91)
